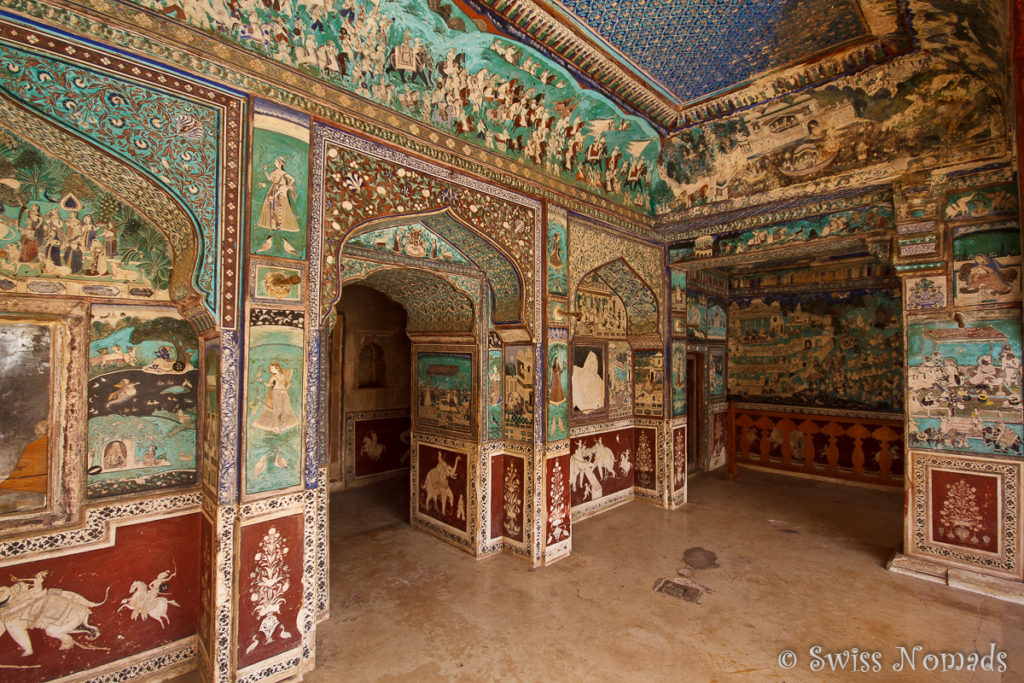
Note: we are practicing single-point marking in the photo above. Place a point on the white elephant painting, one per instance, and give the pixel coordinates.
(59, 613)
(436, 487)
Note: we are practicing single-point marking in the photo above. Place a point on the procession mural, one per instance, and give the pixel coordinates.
(987, 264)
(27, 348)
(440, 68)
(620, 380)
(280, 181)
(274, 379)
(60, 617)
(599, 465)
(519, 393)
(678, 378)
(143, 400)
(790, 233)
(649, 388)
(61, 233)
(588, 380)
(558, 391)
(444, 391)
(837, 349)
(443, 486)
(270, 595)
(495, 394)
(381, 445)
(925, 293)
(964, 386)
(558, 257)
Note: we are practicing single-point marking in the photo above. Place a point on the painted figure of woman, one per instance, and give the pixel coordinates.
(557, 392)
(987, 275)
(277, 415)
(277, 213)
(32, 234)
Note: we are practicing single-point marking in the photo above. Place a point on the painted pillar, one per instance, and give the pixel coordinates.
(959, 256)
(676, 385)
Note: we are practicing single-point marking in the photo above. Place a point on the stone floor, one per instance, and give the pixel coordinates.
(799, 564)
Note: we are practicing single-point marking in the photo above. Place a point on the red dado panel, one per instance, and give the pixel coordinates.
(512, 498)
(645, 458)
(101, 605)
(556, 485)
(443, 486)
(207, 581)
(601, 464)
(270, 590)
(678, 458)
(965, 510)
(381, 445)
(497, 495)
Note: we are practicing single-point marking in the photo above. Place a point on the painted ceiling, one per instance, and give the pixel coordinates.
(693, 49)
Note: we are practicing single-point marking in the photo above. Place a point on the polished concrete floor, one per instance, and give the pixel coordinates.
(799, 564)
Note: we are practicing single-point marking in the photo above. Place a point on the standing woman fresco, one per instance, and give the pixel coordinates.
(276, 212)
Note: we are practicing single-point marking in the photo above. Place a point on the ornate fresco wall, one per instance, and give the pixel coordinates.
(475, 183)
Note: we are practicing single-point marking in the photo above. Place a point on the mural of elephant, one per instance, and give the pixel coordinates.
(435, 484)
(59, 613)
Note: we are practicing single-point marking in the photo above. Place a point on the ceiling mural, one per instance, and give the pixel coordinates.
(431, 302)
(431, 62)
(933, 106)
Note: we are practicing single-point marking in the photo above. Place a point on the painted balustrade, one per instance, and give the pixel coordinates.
(854, 447)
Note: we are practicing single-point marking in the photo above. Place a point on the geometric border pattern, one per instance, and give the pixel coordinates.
(1004, 563)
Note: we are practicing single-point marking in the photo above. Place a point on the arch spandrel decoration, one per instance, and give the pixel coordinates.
(637, 297)
(152, 202)
(359, 182)
(476, 251)
(183, 136)
(431, 303)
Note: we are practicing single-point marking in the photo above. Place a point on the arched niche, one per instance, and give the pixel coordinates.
(638, 300)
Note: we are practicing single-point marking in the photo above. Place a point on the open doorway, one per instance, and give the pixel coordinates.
(694, 410)
(370, 400)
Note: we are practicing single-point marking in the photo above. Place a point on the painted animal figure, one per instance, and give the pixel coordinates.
(410, 63)
(436, 487)
(59, 613)
(604, 459)
(372, 449)
(147, 601)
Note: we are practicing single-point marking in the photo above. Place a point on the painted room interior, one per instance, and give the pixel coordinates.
(537, 261)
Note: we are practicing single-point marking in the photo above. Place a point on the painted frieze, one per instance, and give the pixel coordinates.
(519, 393)
(274, 381)
(415, 241)
(836, 349)
(280, 179)
(600, 465)
(443, 486)
(987, 264)
(998, 200)
(649, 387)
(558, 391)
(964, 385)
(444, 391)
(143, 400)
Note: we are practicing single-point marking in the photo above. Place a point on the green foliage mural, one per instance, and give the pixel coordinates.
(57, 223)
